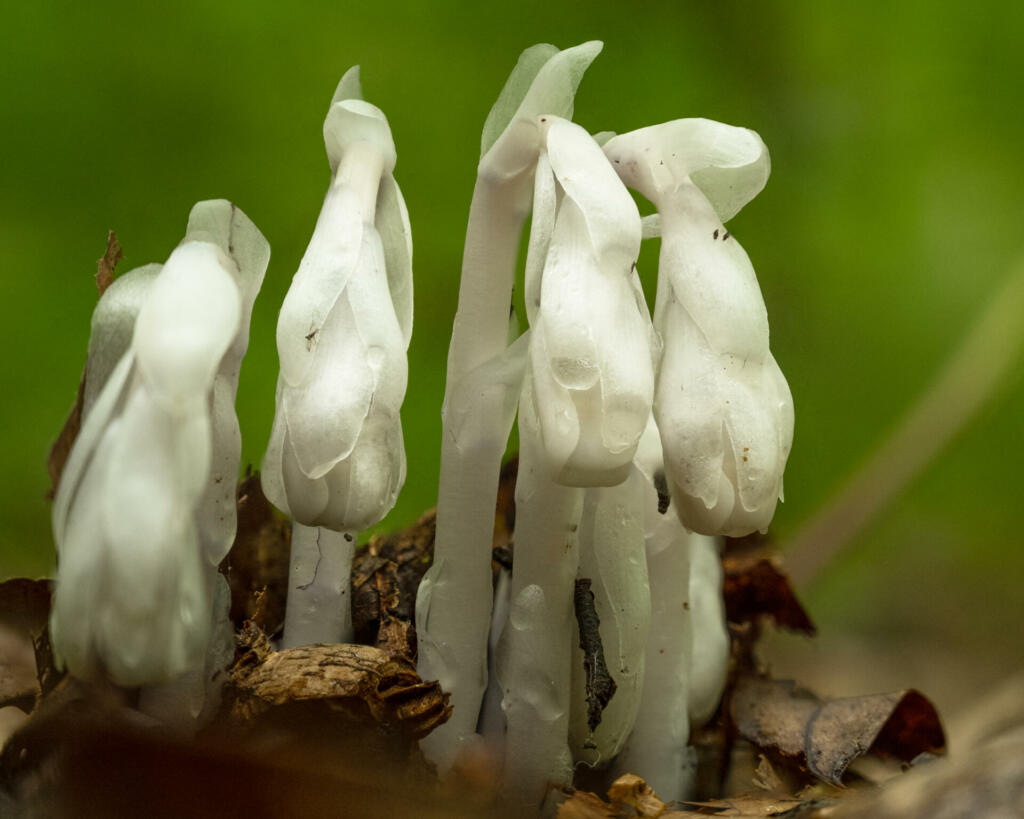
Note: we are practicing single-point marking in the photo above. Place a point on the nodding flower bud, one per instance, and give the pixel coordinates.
(593, 347)
(336, 456)
(136, 549)
(721, 402)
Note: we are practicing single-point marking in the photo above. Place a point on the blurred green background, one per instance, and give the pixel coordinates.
(893, 213)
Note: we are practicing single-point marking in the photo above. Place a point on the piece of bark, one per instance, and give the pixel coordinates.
(257, 565)
(599, 685)
(332, 684)
(824, 737)
(631, 790)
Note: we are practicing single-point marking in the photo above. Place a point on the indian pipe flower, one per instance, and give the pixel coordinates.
(722, 404)
(131, 517)
(593, 347)
(336, 458)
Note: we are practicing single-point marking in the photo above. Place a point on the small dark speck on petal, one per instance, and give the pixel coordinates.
(726, 236)
(349, 537)
(715, 234)
(617, 162)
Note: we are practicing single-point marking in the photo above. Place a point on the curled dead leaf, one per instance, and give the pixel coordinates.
(824, 737)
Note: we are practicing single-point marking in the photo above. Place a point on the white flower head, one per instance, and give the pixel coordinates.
(722, 405)
(135, 548)
(593, 345)
(336, 456)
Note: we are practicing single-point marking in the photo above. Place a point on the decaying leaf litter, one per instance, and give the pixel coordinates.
(365, 704)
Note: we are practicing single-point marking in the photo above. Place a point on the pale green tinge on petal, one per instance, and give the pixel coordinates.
(602, 137)
(107, 405)
(113, 322)
(545, 198)
(326, 266)
(350, 87)
(392, 223)
(729, 164)
(530, 62)
(586, 176)
(354, 120)
(187, 323)
(551, 91)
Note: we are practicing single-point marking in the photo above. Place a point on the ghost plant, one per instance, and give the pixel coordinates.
(336, 460)
(723, 406)
(141, 519)
(453, 606)
(594, 369)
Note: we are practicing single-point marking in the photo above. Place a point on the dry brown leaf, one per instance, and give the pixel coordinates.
(824, 737)
(586, 805)
(106, 264)
(755, 586)
(757, 806)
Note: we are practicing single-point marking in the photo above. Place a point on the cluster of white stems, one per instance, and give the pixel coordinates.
(635, 435)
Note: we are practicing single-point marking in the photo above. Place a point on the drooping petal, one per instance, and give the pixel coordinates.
(216, 515)
(730, 165)
(106, 407)
(326, 266)
(325, 413)
(392, 223)
(588, 179)
(542, 223)
(364, 487)
(187, 323)
(712, 277)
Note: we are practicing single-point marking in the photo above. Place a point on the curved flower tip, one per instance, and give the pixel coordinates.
(351, 120)
(593, 345)
(726, 429)
(729, 164)
(544, 81)
(188, 322)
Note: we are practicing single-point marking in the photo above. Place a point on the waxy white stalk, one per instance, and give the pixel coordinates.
(658, 744)
(723, 406)
(135, 543)
(710, 660)
(612, 557)
(535, 650)
(453, 606)
(336, 458)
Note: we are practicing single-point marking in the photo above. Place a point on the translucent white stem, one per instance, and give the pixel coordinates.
(535, 655)
(453, 608)
(319, 606)
(658, 747)
(612, 557)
